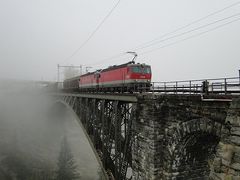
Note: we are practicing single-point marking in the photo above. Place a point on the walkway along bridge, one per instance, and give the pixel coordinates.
(173, 132)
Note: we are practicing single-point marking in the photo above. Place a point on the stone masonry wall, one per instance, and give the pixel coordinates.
(226, 165)
(168, 132)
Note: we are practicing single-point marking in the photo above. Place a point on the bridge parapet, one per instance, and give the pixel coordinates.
(202, 86)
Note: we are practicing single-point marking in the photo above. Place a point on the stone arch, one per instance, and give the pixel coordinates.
(189, 147)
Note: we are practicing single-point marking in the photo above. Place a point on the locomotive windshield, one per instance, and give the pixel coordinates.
(141, 69)
(147, 70)
(136, 69)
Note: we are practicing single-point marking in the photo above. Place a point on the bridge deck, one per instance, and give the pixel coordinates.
(115, 96)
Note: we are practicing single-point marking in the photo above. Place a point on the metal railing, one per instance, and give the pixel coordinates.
(202, 86)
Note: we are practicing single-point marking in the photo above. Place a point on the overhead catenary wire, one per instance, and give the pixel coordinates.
(94, 32)
(166, 34)
(109, 58)
(175, 36)
(190, 31)
(189, 24)
(190, 37)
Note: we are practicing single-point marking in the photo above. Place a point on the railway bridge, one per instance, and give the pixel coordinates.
(172, 132)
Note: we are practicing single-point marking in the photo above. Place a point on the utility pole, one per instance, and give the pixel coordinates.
(81, 72)
(58, 73)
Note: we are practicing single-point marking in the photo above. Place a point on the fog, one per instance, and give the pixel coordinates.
(32, 129)
(38, 35)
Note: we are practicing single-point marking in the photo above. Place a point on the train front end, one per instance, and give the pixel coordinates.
(139, 77)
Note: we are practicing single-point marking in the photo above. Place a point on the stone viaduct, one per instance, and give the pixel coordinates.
(148, 136)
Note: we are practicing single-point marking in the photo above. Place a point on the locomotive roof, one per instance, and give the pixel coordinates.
(114, 67)
(109, 68)
(131, 63)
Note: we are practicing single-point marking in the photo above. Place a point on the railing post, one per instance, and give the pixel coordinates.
(176, 87)
(212, 87)
(153, 87)
(190, 83)
(239, 77)
(165, 87)
(225, 85)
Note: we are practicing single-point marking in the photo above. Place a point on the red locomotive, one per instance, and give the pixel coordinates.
(129, 77)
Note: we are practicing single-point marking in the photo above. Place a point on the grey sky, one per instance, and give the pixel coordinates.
(36, 35)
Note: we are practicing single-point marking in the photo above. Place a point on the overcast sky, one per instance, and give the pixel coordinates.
(36, 35)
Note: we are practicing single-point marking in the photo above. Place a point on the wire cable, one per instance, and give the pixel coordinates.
(187, 25)
(96, 29)
(172, 32)
(171, 37)
(187, 32)
(108, 58)
(190, 37)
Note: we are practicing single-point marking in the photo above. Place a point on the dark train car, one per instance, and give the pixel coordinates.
(71, 84)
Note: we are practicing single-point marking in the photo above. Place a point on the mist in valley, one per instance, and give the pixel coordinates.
(40, 139)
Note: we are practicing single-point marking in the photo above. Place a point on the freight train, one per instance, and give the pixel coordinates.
(128, 77)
